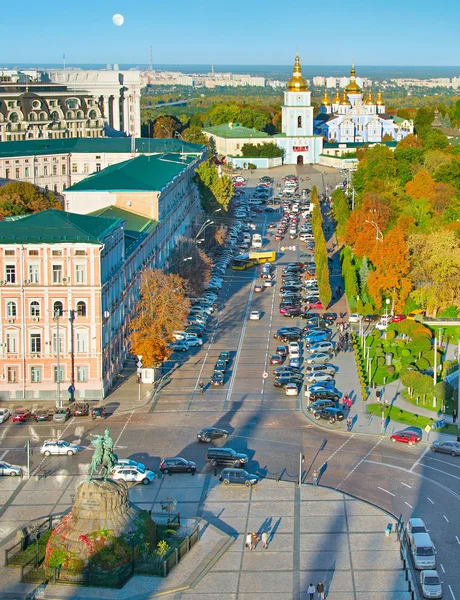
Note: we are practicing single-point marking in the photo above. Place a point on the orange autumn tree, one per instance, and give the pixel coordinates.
(161, 309)
(391, 276)
(421, 186)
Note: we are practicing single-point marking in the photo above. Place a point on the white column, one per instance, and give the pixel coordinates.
(116, 111)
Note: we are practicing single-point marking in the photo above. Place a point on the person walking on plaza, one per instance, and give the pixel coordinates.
(349, 402)
(320, 591)
(454, 415)
(315, 477)
(248, 541)
(254, 540)
(348, 424)
(311, 591)
(265, 540)
(201, 387)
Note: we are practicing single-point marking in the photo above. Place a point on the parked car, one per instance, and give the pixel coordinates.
(398, 318)
(320, 404)
(291, 389)
(211, 433)
(42, 415)
(6, 469)
(320, 347)
(318, 357)
(452, 448)
(179, 346)
(315, 377)
(61, 415)
(415, 525)
(127, 462)
(98, 412)
(355, 318)
(133, 475)
(240, 476)
(324, 395)
(80, 409)
(406, 437)
(58, 447)
(225, 456)
(370, 318)
(20, 415)
(276, 359)
(4, 415)
(330, 414)
(177, 465)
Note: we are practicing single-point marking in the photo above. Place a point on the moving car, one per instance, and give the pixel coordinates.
(10, 470)
(406, 437)
(452, 448)
(355, 318)
(224, 355)
(133, 475)
(258, 287)
(58, 447)
(20, 415)
(240, 476)
(330, 414)
(276, 359)
(98, 412)
(398, 318)
(177, 465)
(217, 378)
(220, 365)
(431, 584)
(80, 409)
(225, 456)
(211, 433)
(254, 315)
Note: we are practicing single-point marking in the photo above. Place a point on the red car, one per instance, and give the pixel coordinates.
(278, 237)
(315, 304)
(258, 288)
(285, 309)
(406, 437)
(398, 318)
(20, 415)
(276, 359)
(238, 184)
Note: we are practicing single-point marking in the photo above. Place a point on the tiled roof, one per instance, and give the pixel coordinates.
(55, 226)
(235, 131)
(94, 145)
(140, 174)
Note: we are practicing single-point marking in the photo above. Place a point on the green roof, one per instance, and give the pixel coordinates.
(235, 131)
(93, 145)
(56, 226)
(140, 174)
(357, 144)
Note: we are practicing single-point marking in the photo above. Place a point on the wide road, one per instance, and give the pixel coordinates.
(263, 422)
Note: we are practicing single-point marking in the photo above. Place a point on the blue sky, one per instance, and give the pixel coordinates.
(413, 32)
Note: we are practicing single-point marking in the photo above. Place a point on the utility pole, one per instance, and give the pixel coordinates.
(28, 452)
(458, 385)
(301, 461)
(71, 389)
(57, 314)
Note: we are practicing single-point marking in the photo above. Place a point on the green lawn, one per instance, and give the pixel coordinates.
(22, 557)
(412, 419)
(451, 333)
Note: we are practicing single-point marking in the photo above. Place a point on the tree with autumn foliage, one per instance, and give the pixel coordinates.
(162, 308)
(22, 198)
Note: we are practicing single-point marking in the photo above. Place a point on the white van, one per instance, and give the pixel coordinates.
(423, 551)
(256, 240)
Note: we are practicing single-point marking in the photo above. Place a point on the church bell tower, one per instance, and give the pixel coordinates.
(297, 112)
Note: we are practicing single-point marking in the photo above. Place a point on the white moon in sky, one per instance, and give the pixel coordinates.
(118, 20)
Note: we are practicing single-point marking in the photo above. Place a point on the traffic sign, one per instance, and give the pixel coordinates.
(265, 375)
(439, 424)
(139, 356)
(428, 428)
(139, 364)
(283, 248)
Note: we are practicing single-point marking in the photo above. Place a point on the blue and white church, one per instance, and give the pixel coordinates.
(353, 118)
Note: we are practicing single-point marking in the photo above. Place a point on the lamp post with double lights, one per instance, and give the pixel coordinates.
(57, 314)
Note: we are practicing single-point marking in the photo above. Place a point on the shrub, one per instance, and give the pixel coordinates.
(390, 369)
(376, 334)
(162, 548)
(391, 334)
(422, 364)
(405, 352)
(380, 361)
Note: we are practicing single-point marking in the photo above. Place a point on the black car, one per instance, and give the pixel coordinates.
(177, 465)
(43, 415)
(293, 312)
(225, 456)
(220, 365)
(286, 369)
(330, 414)
(283, 380)
(291, 337)
(217, 378)
(282, 331)
(238, 476)
(211, 433)
(320, 404)
(324, 395)
(370, 318)
(329, 316)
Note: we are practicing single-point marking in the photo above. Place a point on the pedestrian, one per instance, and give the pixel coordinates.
(201, 387)
(336, 350)
(248, 541)
(311, 591)
(254, 540)
(315, 477)
(454, 415)
(345, 400)
(348, 424)
(349, 402)
(320, 591)
(265, 540)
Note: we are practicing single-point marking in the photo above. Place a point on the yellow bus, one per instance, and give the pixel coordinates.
(241, 264)
(263, 257)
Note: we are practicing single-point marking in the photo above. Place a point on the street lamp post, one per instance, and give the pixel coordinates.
(57, 314)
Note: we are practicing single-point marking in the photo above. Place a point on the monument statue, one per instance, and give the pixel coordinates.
(103, 456)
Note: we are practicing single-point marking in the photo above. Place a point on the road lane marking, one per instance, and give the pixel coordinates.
(360, 462)
(442, 567)
(4, 454)
(430, 500)
(446, 518)
(405, 484)
(409, 505)
(124, 427)
(451, 592)
(66, 427)
(458, 541)
(445, 462)
(441, 471)
(386, 491)
(340, 448)
(421, 457)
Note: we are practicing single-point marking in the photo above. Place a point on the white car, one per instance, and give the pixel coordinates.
(127, 462)
(239, 178)
(355, 318)
(321, 347)
(317, 377)
(269, 282)
(4, 415)
(291, 389)
(9, 470)
(294, 353)
(133, 475)
(382, 325)
(318, 357)
(294, 346)
(196, 341)
(58, 447)
(254, 315)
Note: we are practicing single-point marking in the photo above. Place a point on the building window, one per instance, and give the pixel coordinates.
(61, 343)
(18, 173)
(82, 375)
(57, 273)
(12, 375)
(9, 252)
(36, 171)
(11, 309)
(82, 341)
(81, 309)
(33, 252)
(61, 374)
(45, 171)
(80, 252)
(10, 272)
(98, 167)
(11, 339)
(35, 375)
(299, 121)
(35, 308)
(58, 309)
(34, 273)
(35, 343)
(80, 273)
(7, 173)
(74, 168)
(86, 168)
(55, 168)
(64, 169)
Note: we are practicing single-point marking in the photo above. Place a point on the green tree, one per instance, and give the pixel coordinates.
(166, 127)
(215, 192)
(340, 210)
(195, 135)
(266, 150)
(423, 120)
(449, 173)
(435, 140)
(21, 198)
(324, 286)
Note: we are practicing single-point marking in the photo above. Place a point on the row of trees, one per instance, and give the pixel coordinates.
(21, 198)
(267, 150)
(403, 236)
(215, 191)
(321, 259)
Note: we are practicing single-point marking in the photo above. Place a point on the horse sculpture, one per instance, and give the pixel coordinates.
(103, 456)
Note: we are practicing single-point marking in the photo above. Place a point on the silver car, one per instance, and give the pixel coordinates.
(452, 448)
(431, 584)
(4, 415)
(10, 470)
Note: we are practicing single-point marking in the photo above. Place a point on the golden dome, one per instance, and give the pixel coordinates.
(379, 100)
(344, 101)
(325, 101)
(369, 100)
(297, 83)
(337, 97)
(353, 87)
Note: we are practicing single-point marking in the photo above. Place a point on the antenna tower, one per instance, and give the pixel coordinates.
(151, 59)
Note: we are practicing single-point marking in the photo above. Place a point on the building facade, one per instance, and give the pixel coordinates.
(350, 117)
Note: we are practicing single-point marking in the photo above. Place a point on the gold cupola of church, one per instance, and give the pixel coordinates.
(353, 87)
(297, 83)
